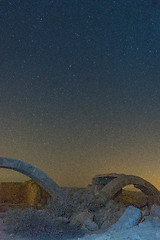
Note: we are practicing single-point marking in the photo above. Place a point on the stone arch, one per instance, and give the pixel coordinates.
(34, 173)
(121, 180)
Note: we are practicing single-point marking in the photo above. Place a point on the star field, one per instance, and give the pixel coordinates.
(80, 87)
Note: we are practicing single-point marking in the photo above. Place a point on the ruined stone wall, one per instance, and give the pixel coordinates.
(28, 192)
(35, 194)
(12, 192)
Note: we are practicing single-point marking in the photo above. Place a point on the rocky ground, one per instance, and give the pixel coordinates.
(85, 216)
(3, 234)
(147, 230)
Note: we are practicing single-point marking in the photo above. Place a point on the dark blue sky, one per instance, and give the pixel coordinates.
(80, 86)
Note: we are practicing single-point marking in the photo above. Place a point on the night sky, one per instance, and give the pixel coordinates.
(80, 88)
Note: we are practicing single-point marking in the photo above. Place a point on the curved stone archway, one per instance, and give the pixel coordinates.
(34, 173)
(118, 181)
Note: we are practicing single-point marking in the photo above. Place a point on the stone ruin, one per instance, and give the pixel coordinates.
(112, 184)
(106, 186)
(95, 208)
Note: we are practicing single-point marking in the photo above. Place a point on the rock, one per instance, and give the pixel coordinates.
(62, 219)
(129, 219)
(145, 211)
(89, 225)
(80, 218)
(155, 211)
(111, 219)
(110, 213)
(98, 202)
(103, 179)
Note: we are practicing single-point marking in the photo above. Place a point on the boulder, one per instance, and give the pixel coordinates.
(145, 211)
(89, 225)
(129, 219)
(111, 219)
(80, 218)
(98, 202)
(110, 213)
(62, 220)
(155, 211)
